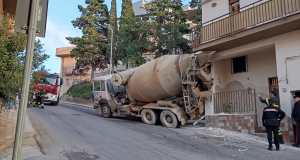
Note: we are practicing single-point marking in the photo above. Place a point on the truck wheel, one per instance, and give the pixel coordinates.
(169, 119)
(106, 111)
(149, 116)
(98, 110)
(55, 103)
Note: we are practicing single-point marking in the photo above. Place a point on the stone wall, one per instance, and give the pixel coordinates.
(245, 123)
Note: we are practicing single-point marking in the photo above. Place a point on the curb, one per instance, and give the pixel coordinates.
(79, 107)
(77, 104)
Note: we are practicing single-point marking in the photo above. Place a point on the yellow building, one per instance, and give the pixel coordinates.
(67, 72)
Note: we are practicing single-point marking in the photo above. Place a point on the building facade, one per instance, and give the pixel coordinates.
(254, 45)
(70, 75)
(8, 9)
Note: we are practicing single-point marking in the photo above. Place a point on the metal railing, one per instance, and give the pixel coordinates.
(250, 16)
(239, 101)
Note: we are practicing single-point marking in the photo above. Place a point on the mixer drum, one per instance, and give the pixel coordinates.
(158, 79)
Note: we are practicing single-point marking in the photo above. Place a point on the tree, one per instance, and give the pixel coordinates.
(132, 36)
(39, 56)
(127, 14)
(168, 27)
(12, 60)
(113, 24)
(91, 47)
(39, 75)
(113, 16)
(198, 4)
(11, 66)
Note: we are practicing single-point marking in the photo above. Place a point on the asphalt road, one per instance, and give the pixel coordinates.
(65, 133)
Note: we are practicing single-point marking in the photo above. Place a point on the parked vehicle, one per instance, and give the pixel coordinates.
(49, 87)
(158, 91)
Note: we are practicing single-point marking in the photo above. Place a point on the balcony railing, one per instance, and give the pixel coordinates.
(249, 17)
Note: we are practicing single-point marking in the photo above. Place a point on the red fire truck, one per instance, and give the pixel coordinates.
(49, 86)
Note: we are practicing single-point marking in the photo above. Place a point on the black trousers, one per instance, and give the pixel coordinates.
(273, 131)
(297, 136)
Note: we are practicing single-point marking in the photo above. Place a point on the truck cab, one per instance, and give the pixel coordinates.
(107, 98)
(111, 100)
(50, 87)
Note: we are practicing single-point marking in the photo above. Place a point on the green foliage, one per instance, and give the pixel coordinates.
(91, 47)
(39, 75)
(11, 67)
(133, 42)
(39, 56)
(113, 16)
(127, 14)
(168, 27)
(198, 4)
(114, 26)
(12, 57)
(132, 37)
(82, 90)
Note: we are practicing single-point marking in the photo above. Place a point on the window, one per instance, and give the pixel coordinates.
(239, 65)
(213, 5)
(102, 84)
(99, 86)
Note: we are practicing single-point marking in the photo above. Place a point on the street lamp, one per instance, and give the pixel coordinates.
(111, 50)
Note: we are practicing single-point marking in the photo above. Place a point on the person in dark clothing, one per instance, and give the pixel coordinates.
(272, 116)
(296, 118)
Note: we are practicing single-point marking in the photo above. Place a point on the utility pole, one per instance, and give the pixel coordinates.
(17, 152)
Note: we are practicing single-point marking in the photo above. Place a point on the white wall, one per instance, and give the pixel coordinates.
(288, 66)
(261, 66)
(244, 3)
(287, 50)
(222, 8)
(210, 13)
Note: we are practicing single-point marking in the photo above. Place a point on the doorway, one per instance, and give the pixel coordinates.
(274, 89)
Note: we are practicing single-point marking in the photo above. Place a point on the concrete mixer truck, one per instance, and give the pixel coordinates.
(169, 90)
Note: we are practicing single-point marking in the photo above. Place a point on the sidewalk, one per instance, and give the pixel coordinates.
(7, 133)
(239, 140)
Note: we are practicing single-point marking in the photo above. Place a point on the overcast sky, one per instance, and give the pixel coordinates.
(60, 15)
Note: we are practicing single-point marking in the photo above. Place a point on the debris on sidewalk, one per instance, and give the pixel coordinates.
(227, 138)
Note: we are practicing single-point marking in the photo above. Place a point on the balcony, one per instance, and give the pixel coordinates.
(252, 23)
